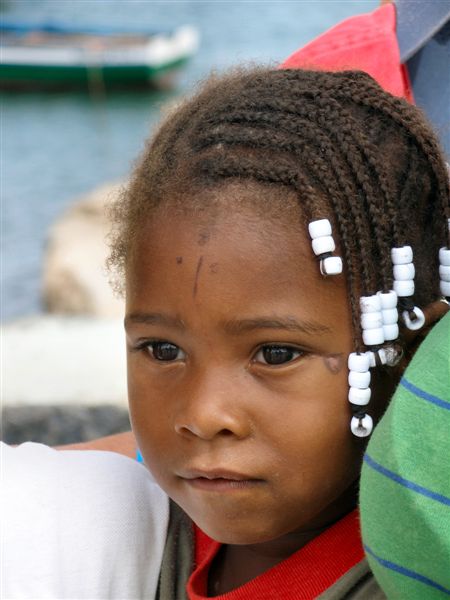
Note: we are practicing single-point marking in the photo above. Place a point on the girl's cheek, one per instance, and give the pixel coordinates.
(316, 376)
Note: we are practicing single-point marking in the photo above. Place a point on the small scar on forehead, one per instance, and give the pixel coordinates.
(197, 275)
(179, 260)
(334, 362)
(203, 238)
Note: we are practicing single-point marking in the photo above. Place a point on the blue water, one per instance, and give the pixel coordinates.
(56, 147)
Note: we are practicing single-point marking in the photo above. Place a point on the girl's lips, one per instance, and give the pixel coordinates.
(219, 480)
(222, 484)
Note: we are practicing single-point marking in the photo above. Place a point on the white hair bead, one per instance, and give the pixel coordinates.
(417, 323)
(359, 396)
(382, 356)
(404, 272)
(320, 228)
(444, 257)
(387, 299)
(390, 316)
(445, 288)
(371, 320)
(444, 272)
(331, 265)
(361, 426)
(358, 362)
(370, 304)
(371, 356)
(321, 245)
(404, 288)
(391, 332)
(359, 380)
(386, 356)
(402, 255)
(373, 337)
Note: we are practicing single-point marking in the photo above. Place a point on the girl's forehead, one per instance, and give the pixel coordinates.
(233, 254)
(264, 222)
(242, 232)
(239, 202)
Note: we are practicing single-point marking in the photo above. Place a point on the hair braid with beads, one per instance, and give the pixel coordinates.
(349, 151)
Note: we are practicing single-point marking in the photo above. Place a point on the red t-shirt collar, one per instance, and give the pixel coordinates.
(304, 575)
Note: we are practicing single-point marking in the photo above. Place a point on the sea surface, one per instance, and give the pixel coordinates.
(56, 147)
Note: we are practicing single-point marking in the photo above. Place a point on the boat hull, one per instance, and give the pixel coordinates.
(59, 57)
(32, 75)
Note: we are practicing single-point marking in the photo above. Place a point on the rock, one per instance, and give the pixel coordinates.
(56, 425)
(74, 277)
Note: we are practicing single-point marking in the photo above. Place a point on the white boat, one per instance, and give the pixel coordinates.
(58, 56)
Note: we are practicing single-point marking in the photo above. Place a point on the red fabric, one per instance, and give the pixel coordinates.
(303, 576)
(367, 43)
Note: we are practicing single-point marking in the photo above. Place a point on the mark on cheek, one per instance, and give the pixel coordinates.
(213, 267)
(334, 362)
(197, 275)
(179, 260)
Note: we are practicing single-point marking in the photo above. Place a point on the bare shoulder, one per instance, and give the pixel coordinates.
(121, 443)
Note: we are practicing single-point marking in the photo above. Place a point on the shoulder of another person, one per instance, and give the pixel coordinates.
(357, 584)
(58, 480)
(80, 524)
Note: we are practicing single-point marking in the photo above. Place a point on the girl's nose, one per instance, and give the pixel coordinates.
(213, 410)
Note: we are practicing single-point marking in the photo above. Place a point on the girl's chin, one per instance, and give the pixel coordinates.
(236, 535)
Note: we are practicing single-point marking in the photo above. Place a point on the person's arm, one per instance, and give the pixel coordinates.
(69, 517)
(122, 443)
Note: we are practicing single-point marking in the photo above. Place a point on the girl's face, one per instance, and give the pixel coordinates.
(237, 371)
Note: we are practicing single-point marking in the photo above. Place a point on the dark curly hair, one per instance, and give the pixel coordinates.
(349, 151)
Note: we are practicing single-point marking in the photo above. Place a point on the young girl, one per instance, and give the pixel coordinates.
(280, 243)
(259, 242)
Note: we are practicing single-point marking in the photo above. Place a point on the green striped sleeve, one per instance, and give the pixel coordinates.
(405, 482)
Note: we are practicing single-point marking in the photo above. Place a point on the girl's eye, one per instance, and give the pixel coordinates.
(277, 355)
(165, 351)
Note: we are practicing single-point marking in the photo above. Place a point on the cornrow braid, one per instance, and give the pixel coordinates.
(308, 130)
(358, 88)
(351, 147)
(348, 151)
(405, 116)
(288, 176)
(337, 185)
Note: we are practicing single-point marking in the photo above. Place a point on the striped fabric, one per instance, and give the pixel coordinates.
(405, 482)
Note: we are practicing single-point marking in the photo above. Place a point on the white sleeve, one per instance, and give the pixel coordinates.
(79, 525)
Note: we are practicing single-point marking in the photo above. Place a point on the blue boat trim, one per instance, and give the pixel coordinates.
(406, 572)
(406, 482)
(424, 395)
(61, 28)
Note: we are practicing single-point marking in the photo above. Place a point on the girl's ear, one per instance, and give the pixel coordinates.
(433, 312)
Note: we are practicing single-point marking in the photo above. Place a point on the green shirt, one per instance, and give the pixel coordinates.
(405, 482)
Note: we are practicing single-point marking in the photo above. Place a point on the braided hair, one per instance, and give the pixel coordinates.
(349, 151)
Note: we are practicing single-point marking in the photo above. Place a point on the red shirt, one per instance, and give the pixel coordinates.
(365, 42)
(303, 576)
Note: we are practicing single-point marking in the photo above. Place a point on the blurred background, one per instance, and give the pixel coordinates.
(64, 154)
